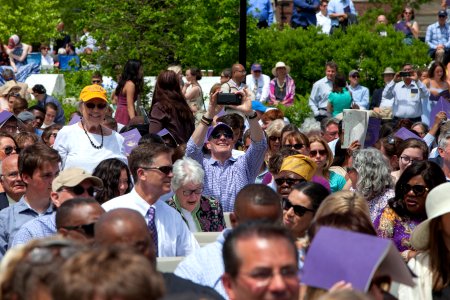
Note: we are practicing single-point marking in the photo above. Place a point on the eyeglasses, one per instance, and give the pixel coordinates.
(407, 159)
(10, 149)
(88, 229)
(79, 190)
(355, 76)
(163, 169)
(274, 138)
(11, 175)
(92, 105)
(408, 13)
(418, 190)
(242, 72)
(17, 95)
(263, 276)
(288, 181)
(96, 81)
(299, 210)
(45, 48)
(313, 153)
(49, 250)
(442, 17)
(217, 135)
(190, 192)
(295, 146)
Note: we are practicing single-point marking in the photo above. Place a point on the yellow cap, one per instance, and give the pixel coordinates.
(94, 91)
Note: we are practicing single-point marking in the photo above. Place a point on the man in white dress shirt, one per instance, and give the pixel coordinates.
(323, 20)
(258, 83)
(151, 167)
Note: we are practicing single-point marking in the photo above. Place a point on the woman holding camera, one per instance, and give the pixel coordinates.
(282, 87)
(169, 108)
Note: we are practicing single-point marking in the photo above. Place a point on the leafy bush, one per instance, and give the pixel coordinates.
(298, 111)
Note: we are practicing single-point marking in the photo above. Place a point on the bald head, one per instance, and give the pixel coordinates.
(256, 202)
(11, 181)
(125, 227)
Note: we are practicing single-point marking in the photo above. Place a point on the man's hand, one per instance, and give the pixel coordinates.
(414, 75)
(213, 108)
(246, 106)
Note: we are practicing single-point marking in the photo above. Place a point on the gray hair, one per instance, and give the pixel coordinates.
(443, 140)
(310, 127)
(186, 170)
(275, 127)
(374, 174)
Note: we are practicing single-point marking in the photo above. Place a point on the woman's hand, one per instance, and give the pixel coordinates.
(340, 286)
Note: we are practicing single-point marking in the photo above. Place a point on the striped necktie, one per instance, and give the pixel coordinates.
(152, 227)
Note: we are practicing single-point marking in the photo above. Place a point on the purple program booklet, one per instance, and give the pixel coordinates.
(4, 116)
(336, 255)
(405, 134)
(131, 141)
(441, 105)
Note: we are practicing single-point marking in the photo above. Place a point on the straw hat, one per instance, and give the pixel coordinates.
(436, 205)
(280, 64)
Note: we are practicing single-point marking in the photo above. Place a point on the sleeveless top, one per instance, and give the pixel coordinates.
(401, 26)
(197, 102)
(18, 51)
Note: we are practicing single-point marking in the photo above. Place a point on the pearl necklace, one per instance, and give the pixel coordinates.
(92, 143)
(281, 86)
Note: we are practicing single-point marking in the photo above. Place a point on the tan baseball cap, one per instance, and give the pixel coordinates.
(73, 176)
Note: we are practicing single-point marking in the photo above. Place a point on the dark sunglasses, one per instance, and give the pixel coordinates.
(274, 138)
(289, 181)
(79, 190)
(92, 105)
(418, 190)
(96, 81)
(299, 210)
(217, 135)
(313, 153)
(295, 146)
(164, 169)
(88, 229)
(9, 149)
(355, 76)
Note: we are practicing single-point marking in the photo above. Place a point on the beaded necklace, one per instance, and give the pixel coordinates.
(92, 143)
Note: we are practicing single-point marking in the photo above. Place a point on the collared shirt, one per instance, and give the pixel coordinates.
(324, 22)
(261, 10)
(438, 35)
(360, 95)
(224, 181)
(174, 237)
(59, 118)
(319, 96)
(36, 229)
(12, 218)
(259, 87)
(193, 266)
(339, 7)
(407, 99)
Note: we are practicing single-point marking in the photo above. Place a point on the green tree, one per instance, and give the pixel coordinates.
(32, 20)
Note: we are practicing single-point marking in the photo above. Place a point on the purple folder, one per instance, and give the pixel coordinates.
(441, 105)
(405, 134)
(336, 255)
(4, 116)
(373, 132)
(75, 119)
(131, 141)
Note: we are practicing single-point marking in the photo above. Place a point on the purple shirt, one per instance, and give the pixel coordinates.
(224, 181)
(391, 226)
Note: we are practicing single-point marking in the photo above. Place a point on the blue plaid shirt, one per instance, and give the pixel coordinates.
(12, 218)
(438, 35)
(36, 229)
(224, 181)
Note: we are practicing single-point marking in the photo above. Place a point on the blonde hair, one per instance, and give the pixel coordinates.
(318, 139)
(343, 202)
(275, 128)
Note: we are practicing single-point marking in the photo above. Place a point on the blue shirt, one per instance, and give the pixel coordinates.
(339, 7)
(59, 119)
(261, 10)
(318, 100)
(304, 12)
(360, 95)
(36, 229)
(224, 181)
(193, 267)
(12, 218)
(437, 35)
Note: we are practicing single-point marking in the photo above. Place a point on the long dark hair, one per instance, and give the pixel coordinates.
(439, 256)
(109, 172)
(431, 173)
(168, 94)
(131, 72)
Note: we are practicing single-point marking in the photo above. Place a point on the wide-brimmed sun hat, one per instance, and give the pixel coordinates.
(436, 205)
(280, 64)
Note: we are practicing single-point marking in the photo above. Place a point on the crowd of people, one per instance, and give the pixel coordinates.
(89, 211)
